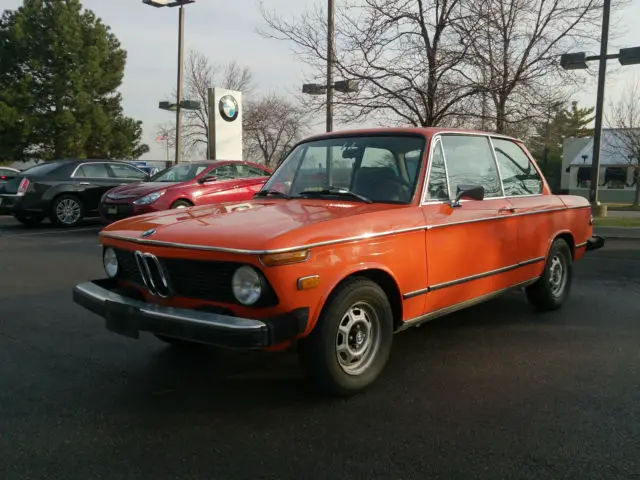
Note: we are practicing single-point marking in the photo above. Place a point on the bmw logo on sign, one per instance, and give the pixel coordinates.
(228, 107)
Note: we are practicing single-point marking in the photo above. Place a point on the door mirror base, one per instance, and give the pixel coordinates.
(469, 192)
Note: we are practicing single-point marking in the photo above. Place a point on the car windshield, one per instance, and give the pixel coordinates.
(179, 173)
(376, 168)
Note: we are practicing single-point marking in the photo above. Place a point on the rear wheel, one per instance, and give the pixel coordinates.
(67, 211)
(181, 204)
(350, 345)
(552, 289)
(30, 219)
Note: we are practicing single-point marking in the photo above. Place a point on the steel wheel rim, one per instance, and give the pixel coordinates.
(68, 211)
(557, 275)
(358, 338)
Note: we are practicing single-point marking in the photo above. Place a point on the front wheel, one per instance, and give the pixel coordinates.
(181, 204)
(552, 289)
(350, 345)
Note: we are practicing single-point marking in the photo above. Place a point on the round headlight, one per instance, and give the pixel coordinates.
(247, 286)
(110, 261)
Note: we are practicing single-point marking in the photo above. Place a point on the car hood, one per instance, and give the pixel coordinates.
(259, 225)
(136, 190)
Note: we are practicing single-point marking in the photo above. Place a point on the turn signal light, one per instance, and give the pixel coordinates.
(307, 283)
(286, 258)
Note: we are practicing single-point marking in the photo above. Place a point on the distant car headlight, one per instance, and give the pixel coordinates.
(148, 199)
(110, 261)
(247, 285)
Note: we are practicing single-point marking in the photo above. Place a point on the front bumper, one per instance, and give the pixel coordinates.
(128, 316)
(595, 243)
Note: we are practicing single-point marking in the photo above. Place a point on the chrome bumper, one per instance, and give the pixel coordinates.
(128, 316)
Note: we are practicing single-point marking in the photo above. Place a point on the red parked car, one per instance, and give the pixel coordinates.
(185, 185)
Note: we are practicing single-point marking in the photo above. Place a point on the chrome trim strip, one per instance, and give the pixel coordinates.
(241, 251)
(318, 244)
(417, 321)
(477, 276)
(580, 245)
(495, 161)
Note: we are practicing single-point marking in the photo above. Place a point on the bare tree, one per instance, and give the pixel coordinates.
(405, 55)
(200, 75)
(271, 126)
(625, 134)
(515, 47)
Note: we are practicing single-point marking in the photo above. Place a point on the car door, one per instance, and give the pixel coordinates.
(471, 248)
(94, 180)
(225, 187)
(524, 187)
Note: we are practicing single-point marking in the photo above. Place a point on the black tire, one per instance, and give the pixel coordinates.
(29, 219)
(71, 203)
(319, 351)
(181, 204)
(552, 289)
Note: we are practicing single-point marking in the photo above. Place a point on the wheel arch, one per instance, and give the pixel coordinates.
(383, 278)
(567, 236)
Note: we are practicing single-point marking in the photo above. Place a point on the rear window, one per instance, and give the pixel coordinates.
(42, 169)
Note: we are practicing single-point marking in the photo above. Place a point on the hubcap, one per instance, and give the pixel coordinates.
(358, 339)
(68, 211)
(557, 275)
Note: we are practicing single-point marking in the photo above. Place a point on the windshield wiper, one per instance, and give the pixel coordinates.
(267, 192)
(337, 191)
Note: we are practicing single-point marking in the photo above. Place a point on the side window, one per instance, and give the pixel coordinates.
(470, 162)
(437, 188)
(247, 171)
(120, 170)
(225, 172)
(92, 170)
(519, 176)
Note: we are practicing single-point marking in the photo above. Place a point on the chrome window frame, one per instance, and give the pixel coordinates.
(438, 137)
(529, 158)
(78, 167)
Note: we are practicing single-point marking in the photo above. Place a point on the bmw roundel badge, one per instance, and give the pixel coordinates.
(148, 233)
(228, 107)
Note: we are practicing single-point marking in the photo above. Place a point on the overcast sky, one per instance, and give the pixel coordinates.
(226, 31)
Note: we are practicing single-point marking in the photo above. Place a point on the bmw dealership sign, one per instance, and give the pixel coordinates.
(225, 124)
(229, 108)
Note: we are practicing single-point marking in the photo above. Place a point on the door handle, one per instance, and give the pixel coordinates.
(85, 183)
(507, 210)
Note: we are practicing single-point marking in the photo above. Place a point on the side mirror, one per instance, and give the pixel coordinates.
(470, 192)
(207, 179)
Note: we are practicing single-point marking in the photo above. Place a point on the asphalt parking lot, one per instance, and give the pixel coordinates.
(493, 392)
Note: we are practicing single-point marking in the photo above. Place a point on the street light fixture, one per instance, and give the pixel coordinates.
(342, 86)
(578, 61)
(179, 104)
(184, 105)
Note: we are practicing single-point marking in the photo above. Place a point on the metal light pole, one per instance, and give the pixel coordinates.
(179, 87)
(330, 59)
(179, 102)
(597, 134)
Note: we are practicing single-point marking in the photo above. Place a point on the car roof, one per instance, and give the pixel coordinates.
(425, 131)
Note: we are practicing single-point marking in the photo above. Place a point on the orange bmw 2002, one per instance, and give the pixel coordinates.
(356, 236)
